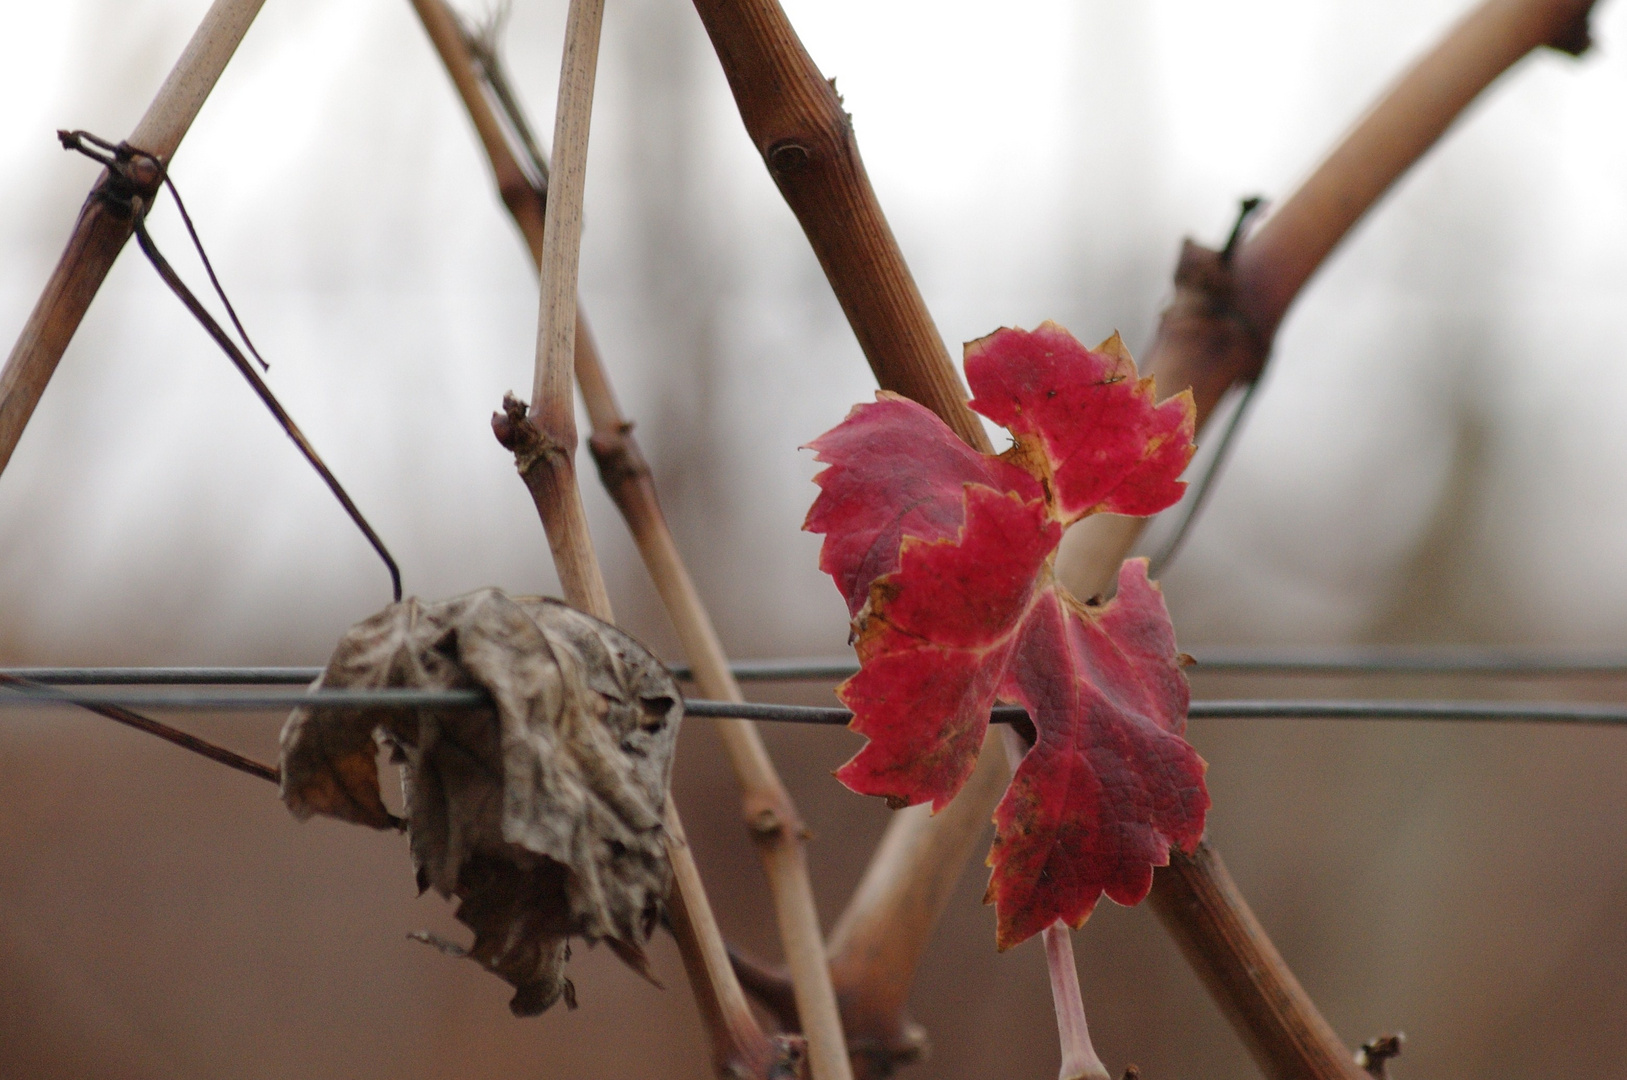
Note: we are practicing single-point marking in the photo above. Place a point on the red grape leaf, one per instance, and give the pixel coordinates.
(944, 556)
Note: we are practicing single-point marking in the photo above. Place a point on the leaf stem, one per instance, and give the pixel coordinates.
(102, 229)
(1079, 1059)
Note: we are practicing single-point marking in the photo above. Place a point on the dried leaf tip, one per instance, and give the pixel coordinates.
(543, 813)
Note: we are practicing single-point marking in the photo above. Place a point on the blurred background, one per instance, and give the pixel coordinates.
(1438, 454)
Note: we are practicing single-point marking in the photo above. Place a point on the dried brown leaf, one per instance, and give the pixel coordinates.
(541, 815)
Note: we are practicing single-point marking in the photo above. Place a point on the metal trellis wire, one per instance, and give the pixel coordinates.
(1445, 660)
(235, 689)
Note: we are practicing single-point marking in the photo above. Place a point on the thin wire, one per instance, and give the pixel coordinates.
(73, 140)
(252, 701)
(1244, 709)
(185, 741)
(1344, 660)
(292, 429)
(138, 207)
(1204, 485)
(209, 269)
(166, 676)
(113, 160)
(1412, 660)
(1532, 712)
(795, 670)
(1485, 711)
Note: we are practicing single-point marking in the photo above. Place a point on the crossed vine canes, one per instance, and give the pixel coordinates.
(846, 995)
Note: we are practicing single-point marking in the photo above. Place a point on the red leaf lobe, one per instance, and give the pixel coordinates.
(1110, 785)
(1084, 419)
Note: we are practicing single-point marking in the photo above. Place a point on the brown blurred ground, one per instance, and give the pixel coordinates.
(163, 917)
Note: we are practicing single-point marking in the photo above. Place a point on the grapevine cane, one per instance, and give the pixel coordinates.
(771, 816)
(544, 441)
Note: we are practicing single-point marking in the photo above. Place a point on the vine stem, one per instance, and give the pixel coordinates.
(549, 463)
(770, 814)
(771, 817)
(102, 230)
(1199, 903)
(543, 440)
(1277, 259)
(1219, 329)
(795, 119)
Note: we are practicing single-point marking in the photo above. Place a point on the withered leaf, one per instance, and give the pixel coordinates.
(542, 815)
